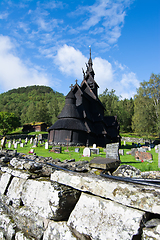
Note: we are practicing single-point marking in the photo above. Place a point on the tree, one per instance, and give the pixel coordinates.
(8, 122)
(146, 119)
(125, 113)
(110, 101)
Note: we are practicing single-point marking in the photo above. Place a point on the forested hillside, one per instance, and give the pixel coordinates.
(33, 103)
(41, 104)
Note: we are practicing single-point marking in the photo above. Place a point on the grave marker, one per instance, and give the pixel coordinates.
(46, 145)
(94, 150)
(77, 150)
(9, 144)
(86, 152)
(57, 149)
(159, 155)
(94, 145)
(112, 151)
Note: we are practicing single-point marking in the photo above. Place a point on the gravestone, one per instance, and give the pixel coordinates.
(77, 150)
(86, 152)
(124, 143)
(14, 141)
(39, 137)
(57, 149)
(9, 144)
(3, 142)
(46, 145)
(143, 156)
(20, 140)
(121, 152)
(94, 145)
(31, 140)
(21, 144)
(26, 140)
(15, 145)
(31, 151)
(112, 151)
(159, 155)
(94, 150)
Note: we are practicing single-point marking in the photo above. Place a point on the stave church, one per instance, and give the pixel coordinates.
(82, 121)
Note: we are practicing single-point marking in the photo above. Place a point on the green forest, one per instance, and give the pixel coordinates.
(140, 115)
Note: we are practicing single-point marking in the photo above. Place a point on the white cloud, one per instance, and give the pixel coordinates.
(103, 73)
(106, 17)
(13, 72)
(127, 85)
(4, 15)
(70, 61)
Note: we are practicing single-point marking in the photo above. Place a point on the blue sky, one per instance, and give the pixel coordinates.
(47, 43)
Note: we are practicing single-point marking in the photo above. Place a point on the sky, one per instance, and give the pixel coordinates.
(48, 42)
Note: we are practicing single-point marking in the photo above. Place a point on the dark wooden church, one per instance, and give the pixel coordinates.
(82, 120)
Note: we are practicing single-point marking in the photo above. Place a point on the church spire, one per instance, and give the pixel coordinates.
(90, 61)
(89, 66)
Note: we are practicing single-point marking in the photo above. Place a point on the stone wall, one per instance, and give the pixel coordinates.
(70, 205)
(135, 140)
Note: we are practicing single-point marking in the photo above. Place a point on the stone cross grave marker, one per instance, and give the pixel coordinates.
(86, 152)
(112, 151)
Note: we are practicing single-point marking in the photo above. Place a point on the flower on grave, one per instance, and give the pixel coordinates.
(142, 160)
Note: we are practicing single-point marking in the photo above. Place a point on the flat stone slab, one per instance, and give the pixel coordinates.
(134, 195)
(111, 220)
(104, 163)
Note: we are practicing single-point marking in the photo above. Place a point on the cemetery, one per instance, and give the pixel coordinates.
(83, 181)
(77, 192)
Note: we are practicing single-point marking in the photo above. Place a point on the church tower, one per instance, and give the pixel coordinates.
(89, 76)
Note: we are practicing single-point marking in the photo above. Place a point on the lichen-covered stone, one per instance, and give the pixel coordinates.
(103, 219)
(138, 196)
(20, 236)
(58, 230)
(7, 226)
(49, 201)
(127, 171)
(151, 233)
(4, 180)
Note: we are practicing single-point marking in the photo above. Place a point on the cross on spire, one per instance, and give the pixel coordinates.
(76, 81)
(71, 87)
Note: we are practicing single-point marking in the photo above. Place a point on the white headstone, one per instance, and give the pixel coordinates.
(86, 152)
(15, 145)
(31, 151)
(94, 145)
(46, 145)
(124, 143)
(22, 145)
(31, 140)
(9, 144)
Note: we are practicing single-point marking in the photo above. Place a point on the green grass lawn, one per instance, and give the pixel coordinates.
(126, 159)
